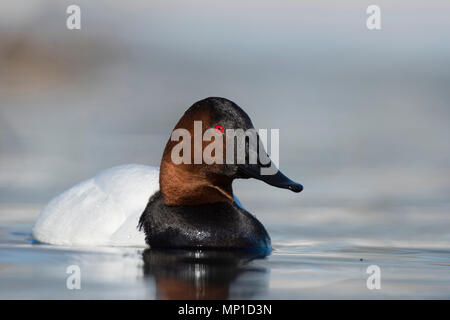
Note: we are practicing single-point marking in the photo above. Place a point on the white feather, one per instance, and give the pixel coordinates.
(104, 210)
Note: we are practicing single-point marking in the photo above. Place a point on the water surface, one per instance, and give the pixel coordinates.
(299, 267)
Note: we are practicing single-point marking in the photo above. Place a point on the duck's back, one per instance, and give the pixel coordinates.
(104, 210)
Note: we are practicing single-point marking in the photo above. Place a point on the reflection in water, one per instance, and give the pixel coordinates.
(204, 274)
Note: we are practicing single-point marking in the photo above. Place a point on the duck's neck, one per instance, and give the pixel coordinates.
(182, 186)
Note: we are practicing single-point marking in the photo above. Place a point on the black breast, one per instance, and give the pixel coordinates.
(219, 225)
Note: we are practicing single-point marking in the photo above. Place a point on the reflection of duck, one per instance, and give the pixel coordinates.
(203, 274)
(195, 206)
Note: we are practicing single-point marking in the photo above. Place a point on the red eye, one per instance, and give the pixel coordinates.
(219, 129)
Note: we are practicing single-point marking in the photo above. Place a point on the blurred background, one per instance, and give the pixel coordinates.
(363, 115)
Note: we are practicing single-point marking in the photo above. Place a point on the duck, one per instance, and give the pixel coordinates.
(174, 206)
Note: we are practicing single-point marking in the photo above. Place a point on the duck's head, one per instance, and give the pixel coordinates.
(199, 162)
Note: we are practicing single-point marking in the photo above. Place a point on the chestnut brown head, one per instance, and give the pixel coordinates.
(202, 169)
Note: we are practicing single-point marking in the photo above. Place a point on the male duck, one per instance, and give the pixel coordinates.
(192, 205)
